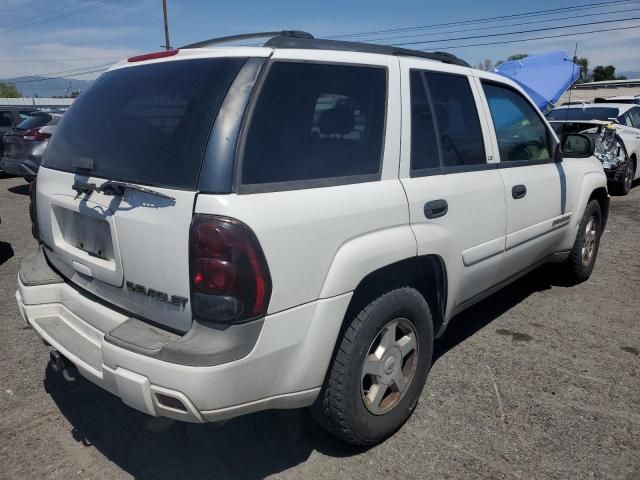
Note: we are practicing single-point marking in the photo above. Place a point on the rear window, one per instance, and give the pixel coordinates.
(316, 125)
(593, 113)
(34, 121)
(147, 124)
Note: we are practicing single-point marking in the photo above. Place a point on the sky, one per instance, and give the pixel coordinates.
(42, 37)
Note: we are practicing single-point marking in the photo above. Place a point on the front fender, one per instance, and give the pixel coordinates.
(591, 181)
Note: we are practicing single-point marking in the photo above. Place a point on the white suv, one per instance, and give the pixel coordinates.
(226, 230)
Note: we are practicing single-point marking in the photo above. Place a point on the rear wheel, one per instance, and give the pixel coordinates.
(379, 369)
(583, 255)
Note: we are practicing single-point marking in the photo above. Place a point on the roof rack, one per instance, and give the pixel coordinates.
(304, 40)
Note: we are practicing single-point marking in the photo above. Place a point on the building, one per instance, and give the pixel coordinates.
(587, 92)
(36, 102)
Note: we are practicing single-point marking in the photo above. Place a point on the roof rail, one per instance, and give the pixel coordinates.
(249, 36)
(304, 40)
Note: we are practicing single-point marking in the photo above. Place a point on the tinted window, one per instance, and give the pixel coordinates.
(35, 121)
(146, 124)
(6, 120)
(424, 142)
(634, 113)
(316, 121)
(521, 133)
(458, 125)
(579, 113)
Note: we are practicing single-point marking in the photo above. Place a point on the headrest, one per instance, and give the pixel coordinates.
(337, 120)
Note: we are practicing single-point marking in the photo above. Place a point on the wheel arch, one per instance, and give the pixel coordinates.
(601, 195)
(426, 273)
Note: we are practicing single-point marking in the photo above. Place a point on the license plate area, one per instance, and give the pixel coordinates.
(87, 233)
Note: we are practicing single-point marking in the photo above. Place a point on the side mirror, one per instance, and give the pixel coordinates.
(576, 145)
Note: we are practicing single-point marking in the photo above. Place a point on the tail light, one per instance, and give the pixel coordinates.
(35, 134)
(153, 55)
(230, 280)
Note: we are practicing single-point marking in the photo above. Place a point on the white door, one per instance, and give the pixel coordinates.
(535, 185)
(456, 195)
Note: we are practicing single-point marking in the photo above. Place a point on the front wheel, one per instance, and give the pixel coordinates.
(583, 255)
(623, 178)
(379, 369)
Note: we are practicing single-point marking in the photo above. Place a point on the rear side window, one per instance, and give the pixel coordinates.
(316, 124)
(521, 133)
(445, 127)
(145, 124)
(634, 113)
(35, 121)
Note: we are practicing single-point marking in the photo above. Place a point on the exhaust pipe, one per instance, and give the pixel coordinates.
(61, 365)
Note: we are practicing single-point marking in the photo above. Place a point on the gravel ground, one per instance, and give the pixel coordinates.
(538, 381)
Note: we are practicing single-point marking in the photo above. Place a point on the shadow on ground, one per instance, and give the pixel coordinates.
(20, 189)
(480, 315)
(6, 252)
(249, 447)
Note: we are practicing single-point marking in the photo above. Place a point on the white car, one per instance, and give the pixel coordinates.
(232, 229)
(620, 165)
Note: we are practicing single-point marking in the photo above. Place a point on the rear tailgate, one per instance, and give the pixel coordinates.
(131, 252)
(147, 126)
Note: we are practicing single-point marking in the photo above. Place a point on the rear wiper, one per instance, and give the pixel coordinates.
(112, 187)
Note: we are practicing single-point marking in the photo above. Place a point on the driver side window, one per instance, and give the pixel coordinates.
(521, 133)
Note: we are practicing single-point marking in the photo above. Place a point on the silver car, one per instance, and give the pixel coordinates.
(25, 144)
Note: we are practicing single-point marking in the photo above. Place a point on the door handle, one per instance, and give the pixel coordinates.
(436, 208)
(518, 191)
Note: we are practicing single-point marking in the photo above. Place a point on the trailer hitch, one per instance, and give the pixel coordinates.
(61, 365)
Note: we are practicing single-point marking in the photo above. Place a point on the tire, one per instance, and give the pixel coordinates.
(623, 179)
(347, 406)
(580, 263)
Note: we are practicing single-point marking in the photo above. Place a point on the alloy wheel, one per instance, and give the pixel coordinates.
(390, 365)
(589, 243)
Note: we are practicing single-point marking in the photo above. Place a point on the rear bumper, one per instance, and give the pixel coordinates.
(20, 167)
(284, 368)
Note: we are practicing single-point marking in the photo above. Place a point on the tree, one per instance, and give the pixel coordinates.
(487, 65)
(583, 63)
(601, 74)
(9, 90)
(517, 56)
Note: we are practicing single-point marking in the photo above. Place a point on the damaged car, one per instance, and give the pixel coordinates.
(615, 129)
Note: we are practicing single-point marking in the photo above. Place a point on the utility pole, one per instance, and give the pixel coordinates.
(167, 44)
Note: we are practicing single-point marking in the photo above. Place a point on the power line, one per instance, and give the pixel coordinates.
(62, 59)
(61, 73)
(485, 19)
(32, 22)
(453, 47)
(516, 33)
(61, 76)
(419, 35)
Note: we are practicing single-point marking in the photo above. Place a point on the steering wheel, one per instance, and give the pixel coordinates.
(522, 151)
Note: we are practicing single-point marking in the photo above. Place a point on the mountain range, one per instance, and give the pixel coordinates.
(47, 86)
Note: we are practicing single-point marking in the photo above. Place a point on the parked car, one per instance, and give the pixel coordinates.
(26, 143)
(620, 99)
(270, 237)
(621, 161)
(10, 117)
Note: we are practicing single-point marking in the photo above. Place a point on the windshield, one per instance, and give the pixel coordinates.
(146, 124)
(34, 121)
(579, 113)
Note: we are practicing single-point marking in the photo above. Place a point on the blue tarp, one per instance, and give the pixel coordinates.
(544, 77)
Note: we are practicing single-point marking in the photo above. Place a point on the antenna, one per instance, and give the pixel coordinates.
(573, 66)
